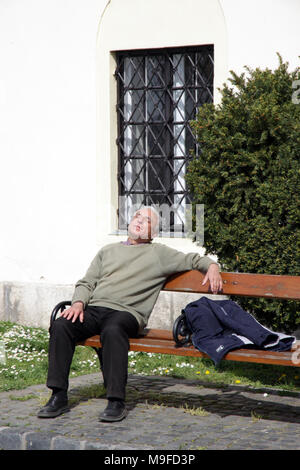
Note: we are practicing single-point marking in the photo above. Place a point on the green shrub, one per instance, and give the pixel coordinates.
(248, 177)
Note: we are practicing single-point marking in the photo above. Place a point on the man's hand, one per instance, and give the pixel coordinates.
(214, 278)
(75, 311)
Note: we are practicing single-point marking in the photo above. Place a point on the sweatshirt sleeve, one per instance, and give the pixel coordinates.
(173, 261)
(85, 286)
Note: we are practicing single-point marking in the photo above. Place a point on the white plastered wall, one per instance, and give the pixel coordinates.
(258, 29)
(47, 138)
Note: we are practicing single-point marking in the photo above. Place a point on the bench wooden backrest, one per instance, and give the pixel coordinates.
(251, 285)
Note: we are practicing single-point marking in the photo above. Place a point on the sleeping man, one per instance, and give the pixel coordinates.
(115, 299)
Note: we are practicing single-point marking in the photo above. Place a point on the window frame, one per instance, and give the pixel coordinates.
(208, 87)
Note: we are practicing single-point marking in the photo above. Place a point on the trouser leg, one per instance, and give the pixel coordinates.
(116, 330)
(63, 338)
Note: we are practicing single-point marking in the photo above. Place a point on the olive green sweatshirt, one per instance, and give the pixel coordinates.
(130, 277)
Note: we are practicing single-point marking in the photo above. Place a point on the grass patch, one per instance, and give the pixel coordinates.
(195, 411)
(87, 393)
(25, 363)
(23, 397)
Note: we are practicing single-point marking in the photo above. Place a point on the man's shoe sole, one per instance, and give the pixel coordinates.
(53, 414)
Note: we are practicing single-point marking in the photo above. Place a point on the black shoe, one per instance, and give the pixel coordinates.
(56, 406)
(115, 411)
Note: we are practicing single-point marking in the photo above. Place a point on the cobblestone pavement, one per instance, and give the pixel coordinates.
(163, 414)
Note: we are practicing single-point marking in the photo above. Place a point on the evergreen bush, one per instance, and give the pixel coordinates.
(248, 178)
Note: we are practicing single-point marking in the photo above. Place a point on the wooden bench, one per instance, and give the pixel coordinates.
(241, 284)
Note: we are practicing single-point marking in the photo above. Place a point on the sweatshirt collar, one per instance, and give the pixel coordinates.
(127, 242)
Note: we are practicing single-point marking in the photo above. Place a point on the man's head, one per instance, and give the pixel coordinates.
(144, 225)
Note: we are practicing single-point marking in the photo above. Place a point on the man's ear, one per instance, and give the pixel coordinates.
(154, 233)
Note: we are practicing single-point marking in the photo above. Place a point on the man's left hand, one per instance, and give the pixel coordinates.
(214, 277)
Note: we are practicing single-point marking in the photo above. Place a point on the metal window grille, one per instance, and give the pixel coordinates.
(159, 93)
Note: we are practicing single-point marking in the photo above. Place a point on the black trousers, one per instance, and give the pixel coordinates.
(114, 327)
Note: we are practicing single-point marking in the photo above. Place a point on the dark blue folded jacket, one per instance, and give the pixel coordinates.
(219, 326)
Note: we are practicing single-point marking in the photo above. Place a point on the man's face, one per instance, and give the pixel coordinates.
(140, 226)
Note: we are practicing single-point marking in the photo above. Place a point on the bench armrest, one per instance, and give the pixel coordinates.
(59, 308)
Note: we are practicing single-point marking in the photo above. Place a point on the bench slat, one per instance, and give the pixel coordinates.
(244, 284)
(241, 355)
(155, 343)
